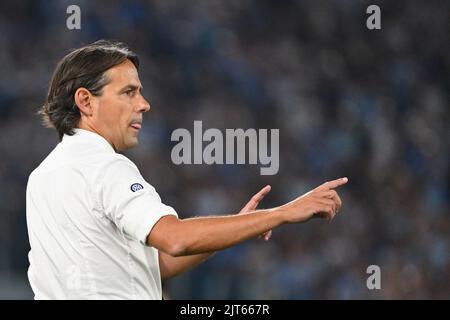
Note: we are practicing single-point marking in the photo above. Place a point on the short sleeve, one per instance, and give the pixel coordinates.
(129, 201)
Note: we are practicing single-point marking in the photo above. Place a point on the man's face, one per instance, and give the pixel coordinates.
(117, 113)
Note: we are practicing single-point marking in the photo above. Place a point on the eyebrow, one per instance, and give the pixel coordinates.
(131, 87)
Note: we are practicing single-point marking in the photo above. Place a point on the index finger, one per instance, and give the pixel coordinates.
(332, 184)
(262, 193)
(254, 201)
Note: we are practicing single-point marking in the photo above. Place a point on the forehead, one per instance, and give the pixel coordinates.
(123, 74)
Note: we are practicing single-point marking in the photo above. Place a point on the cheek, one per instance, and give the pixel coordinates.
(125, 121)
(115, 116)
(108, 112)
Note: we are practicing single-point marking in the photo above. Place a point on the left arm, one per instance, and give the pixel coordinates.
(171, 266)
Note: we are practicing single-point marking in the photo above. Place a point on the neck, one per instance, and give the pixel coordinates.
(85, 126)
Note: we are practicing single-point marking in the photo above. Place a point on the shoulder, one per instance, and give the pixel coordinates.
(32, 178)
(116, 168)
(117, 161)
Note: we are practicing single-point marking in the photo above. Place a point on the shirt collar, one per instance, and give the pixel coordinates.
(90, 136)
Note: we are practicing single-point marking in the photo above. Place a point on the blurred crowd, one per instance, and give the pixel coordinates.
(369, 105)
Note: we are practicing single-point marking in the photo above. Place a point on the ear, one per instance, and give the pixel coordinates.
(83, 100)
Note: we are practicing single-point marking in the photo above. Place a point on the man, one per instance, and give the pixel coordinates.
(97, 229)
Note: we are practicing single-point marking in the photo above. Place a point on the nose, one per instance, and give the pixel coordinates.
(143, 105)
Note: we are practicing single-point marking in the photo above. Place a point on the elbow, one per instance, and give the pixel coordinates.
(172, 247)
(178, 244)
(177, 249)
(169, 237)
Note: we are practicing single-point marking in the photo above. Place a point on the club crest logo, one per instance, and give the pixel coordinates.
(136, 187)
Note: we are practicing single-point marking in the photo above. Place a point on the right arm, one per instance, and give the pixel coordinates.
(205, 234)
(178, 237)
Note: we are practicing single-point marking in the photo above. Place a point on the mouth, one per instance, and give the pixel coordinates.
(136, 125)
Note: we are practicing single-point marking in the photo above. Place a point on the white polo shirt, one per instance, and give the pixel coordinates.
(89, 212)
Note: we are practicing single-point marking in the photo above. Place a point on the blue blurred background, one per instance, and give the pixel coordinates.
(370, 105)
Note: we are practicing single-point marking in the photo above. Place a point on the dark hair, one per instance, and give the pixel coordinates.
(82, 68)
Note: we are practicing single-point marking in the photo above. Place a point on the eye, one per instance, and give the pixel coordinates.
(129, 92)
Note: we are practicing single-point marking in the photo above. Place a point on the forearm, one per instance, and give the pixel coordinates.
(172, 266)
(208, 234)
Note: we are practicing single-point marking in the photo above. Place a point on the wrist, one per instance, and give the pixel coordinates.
(281, 214)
